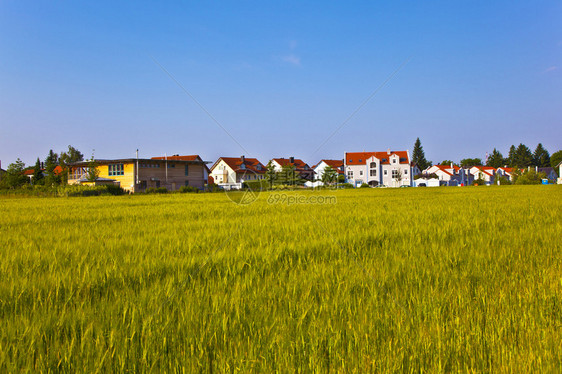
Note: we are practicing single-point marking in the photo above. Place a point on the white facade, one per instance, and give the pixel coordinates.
(377, 170)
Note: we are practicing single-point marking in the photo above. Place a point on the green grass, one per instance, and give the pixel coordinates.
(384, 280)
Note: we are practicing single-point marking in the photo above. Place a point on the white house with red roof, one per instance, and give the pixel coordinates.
(301, 167)
(390, 168)
(319, 169)
(450, 175)
(231, 172)
(487, 173)
(559, 180)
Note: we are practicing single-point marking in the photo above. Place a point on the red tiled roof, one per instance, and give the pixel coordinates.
(334, 164)
(57, 170)
(235, 163)
(352, 158)
(298, 163)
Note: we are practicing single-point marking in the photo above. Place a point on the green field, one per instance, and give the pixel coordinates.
(408, 280)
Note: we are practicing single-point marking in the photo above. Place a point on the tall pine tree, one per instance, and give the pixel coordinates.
(418, 156)
(496, 159)
(38, 173)
(541, 157)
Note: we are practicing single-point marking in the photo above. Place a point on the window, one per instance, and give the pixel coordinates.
(360, 160)
(116, 169)
(171, 166)
(386, 172)
(394, 173)
(360, 172)
(242, 166)
(186, 170)
(394, 160)
(373, 165)
(373, 173)
(406, 172)
(143, 185)
(187, 183)
(350, 174)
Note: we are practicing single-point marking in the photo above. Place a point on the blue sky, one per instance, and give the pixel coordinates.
(280, 77)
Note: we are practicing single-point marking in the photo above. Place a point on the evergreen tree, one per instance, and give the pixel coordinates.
(541, 157)
(38, 173)
(270, 174)
(418, 156)
(523, 157)
(511, 156)
(496, 159)
(51, 163)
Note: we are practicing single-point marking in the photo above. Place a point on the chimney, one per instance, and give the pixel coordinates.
(451, 165)
(388, 151)
(243, 158)
(292, 159)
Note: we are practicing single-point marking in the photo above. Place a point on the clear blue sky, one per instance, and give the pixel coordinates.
(279, 76)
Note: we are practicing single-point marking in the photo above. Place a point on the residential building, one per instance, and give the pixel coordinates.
(390, 168)
(559, 180)
(29, 172)
(450, 175)
(230, 172)
(319, 168)
(301, 168)
(486, 173)
(139, 174)
(550, 173)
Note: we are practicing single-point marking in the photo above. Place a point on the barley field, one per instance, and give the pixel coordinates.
(367, 280)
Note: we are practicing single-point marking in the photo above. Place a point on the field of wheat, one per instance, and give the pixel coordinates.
(367, 280)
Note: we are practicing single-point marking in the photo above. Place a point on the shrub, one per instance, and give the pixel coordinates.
(188, 189)
(364, 185)
(153, 190)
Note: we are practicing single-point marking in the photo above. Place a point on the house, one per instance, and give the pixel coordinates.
(139, 174)
(449, 175)
(230, 172)
(487, 173)
(301, 168)
(504, 172)
(319, 168)
(559, 166)
(29, 172)
(390, 168)
(550, 173)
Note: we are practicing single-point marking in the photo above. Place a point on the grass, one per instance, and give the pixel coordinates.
(384, 280)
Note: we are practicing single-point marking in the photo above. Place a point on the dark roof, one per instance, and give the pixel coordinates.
(131, 160)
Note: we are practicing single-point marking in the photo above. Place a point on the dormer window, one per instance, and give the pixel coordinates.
(360, 160)
(242, 166)
(373, 165)
(393, 160)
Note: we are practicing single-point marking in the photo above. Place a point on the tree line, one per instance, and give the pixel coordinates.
(518, 157)
(44, 172)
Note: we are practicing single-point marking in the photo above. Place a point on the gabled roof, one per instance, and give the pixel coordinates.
(57, 170)
(297, 163)
(334, 164)
(360, 158)
(235, 163)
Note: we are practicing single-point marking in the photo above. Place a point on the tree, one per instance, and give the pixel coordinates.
(530, 177)
(418, 156)
(496, 159)
(447, 163)
(51, 163)
(270, 174)
(14, 176)
(511, 156)
(66, 158)
(541, 157)
(329, 176)
(93, 172)
(555, 159)
(468, 162)
(523, 157)
(38, 173)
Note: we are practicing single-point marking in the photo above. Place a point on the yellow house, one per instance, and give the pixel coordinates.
(137, 175)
